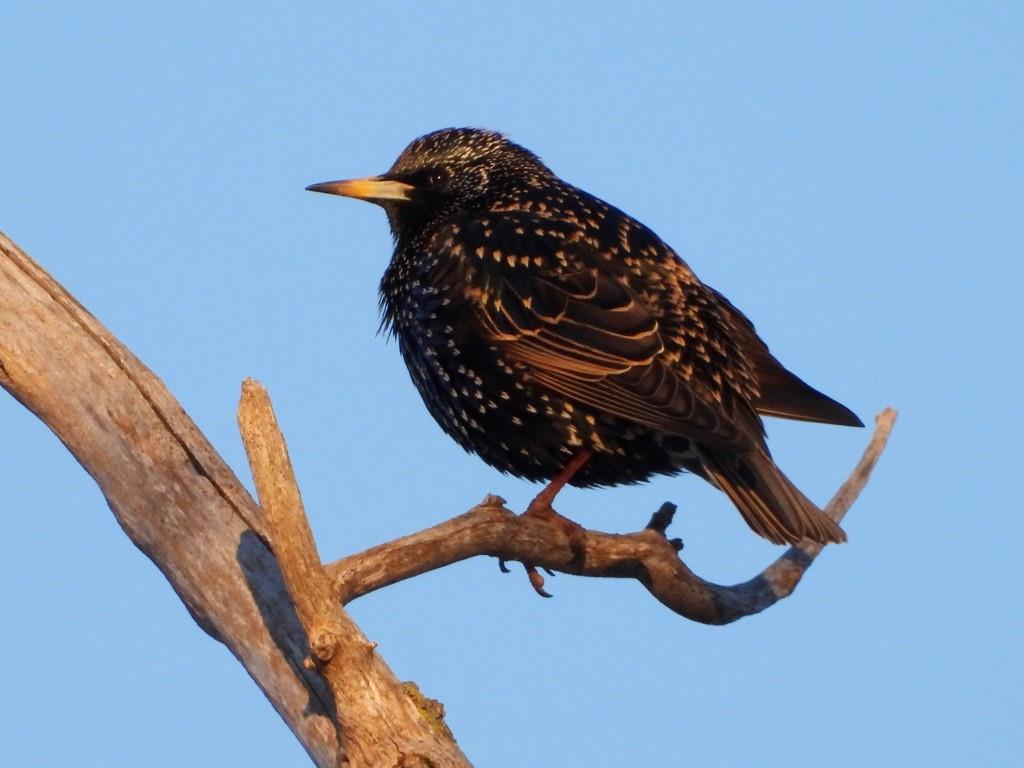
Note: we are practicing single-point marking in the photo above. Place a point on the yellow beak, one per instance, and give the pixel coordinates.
(372, 188)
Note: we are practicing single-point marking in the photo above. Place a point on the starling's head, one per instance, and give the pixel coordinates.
(443, 174)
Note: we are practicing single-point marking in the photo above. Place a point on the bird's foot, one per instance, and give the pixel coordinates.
(575, 532)
(536, 580)
(541, 509)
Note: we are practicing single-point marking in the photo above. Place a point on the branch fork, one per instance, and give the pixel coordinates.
(365, 726)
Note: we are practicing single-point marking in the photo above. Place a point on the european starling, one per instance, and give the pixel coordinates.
(560, 339)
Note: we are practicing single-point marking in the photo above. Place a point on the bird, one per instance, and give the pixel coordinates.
(561, 340)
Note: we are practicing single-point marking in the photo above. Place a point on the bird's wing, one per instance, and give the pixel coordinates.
(782, 393)
(551, 304)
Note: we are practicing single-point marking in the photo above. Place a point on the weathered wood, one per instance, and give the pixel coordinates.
(378, 722)
(172, 494)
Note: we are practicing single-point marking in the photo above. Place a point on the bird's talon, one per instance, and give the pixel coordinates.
(536, 580)
(502, 567)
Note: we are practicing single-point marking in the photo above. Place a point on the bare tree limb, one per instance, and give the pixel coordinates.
(647, 556)
(174, 496)
(377, 721)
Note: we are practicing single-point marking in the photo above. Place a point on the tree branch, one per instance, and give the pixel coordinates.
(182, 506)
(377, 721)
(647, 556)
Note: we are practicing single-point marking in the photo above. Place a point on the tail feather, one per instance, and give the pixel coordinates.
(772, 506)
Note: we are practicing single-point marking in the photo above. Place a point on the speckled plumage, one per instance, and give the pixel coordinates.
(538, 321)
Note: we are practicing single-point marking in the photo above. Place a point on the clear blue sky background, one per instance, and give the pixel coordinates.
(851, 176)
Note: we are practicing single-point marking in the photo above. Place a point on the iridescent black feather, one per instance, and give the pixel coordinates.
(538, 321)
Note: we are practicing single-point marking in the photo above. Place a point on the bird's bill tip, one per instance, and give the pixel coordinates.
(370, 188)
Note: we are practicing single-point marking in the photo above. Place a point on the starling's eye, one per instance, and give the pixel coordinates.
(438, 176)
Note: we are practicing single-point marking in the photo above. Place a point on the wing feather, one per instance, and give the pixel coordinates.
(782, 393)
(585, 333)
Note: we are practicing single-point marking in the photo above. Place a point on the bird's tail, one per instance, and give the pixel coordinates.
(772, 506)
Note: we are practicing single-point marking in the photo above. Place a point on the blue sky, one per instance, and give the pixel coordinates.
(850, 175)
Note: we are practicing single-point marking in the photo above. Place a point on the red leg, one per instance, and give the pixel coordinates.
(541, 504)
(541, 507)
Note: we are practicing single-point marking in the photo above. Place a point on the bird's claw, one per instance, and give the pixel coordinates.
(536, 580)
